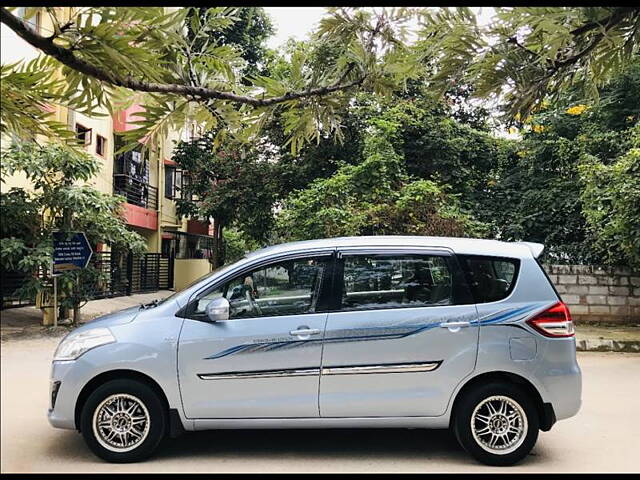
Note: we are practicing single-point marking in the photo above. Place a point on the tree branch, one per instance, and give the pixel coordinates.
(67, 57)
(614, 18)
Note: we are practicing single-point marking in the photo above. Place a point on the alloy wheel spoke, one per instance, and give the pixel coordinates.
(499, 424)
(483, 418)
(121, 422)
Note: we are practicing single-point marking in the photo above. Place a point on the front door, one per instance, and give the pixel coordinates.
(265, 360)
(403, 334)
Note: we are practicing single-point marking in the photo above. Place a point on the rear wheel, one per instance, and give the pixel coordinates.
(123, 421)
(497, 423)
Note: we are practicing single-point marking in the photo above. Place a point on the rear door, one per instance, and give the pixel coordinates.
(402, 333)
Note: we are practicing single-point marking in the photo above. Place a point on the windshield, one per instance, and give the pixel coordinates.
(202, 279)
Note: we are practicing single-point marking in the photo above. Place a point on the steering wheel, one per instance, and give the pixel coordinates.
(252, 303)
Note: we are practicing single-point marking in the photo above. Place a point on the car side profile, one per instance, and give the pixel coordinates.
(354, 332)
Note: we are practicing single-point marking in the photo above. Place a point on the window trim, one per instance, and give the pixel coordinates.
(88, 131)
(325, 290)
(516, 275)
(452, 263)
(104, 145)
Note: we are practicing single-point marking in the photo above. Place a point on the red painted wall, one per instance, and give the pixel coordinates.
(140, 217)
(122, 120)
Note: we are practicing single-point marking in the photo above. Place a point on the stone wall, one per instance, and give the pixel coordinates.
(598, 294)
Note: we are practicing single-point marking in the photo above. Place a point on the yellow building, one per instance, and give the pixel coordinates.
(145, 177)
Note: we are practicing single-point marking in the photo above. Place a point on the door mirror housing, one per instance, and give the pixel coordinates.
(218, 309)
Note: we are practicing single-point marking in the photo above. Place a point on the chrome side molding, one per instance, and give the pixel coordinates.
(392, 368)
(260, 374)
(347, 370)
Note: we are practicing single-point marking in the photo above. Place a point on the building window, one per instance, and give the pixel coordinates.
(101, 145)
(189, 245)
(172, 182)
(83, 134)
(169, 176)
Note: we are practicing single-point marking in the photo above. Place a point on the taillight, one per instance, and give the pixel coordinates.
(555, 321)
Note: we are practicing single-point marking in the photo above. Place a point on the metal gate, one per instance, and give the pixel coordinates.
(122, 274)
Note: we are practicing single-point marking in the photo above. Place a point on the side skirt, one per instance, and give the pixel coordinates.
(285, 423)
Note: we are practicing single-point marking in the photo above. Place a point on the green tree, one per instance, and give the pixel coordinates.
(60, 201)
(526, 54)
(374, 197)
(233, 185)
(523, 56)
(611, 204)
(248, 33)
(112, 52)
(537, 191)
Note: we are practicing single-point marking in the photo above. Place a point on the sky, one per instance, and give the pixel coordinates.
(298, 22)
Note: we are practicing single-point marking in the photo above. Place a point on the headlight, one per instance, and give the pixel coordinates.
(76, 344)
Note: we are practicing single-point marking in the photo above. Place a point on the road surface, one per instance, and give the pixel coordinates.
(603, 437)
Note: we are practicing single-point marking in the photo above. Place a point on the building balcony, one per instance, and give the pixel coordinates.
(136, 191)
(141, 207)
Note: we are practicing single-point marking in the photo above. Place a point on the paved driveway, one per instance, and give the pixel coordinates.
(603, 437)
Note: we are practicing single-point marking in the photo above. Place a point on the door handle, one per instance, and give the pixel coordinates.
(305, 332)
(455, 325)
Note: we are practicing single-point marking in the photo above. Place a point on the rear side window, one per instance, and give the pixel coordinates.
(396, 281)
(490, 278)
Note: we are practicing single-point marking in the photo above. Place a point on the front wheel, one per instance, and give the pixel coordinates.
(497, 424)
(123, 421)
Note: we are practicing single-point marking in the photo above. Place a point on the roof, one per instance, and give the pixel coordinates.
(470, 246)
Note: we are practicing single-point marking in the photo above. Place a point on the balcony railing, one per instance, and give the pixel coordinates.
(135, 191)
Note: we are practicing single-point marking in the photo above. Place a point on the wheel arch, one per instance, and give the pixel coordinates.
(120, 374)
(545, 410)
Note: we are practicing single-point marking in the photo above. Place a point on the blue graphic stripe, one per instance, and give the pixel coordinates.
(502, 316)
(494, 318)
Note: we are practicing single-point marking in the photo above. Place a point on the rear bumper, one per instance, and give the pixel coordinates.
(561, 378)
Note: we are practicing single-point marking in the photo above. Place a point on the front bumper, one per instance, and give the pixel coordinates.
(61, 413)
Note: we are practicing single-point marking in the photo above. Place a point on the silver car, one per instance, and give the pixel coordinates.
(385, 331)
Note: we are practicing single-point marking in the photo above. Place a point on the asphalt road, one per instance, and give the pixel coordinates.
(603, 437)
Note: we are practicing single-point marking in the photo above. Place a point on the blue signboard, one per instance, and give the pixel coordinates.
(71, 251)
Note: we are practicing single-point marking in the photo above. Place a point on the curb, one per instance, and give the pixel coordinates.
(606, 345)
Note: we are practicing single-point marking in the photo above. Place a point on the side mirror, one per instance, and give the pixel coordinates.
(218, 309)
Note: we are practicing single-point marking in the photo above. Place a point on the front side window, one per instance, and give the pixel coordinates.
(289, 287)
(395, 281)
(490, 278)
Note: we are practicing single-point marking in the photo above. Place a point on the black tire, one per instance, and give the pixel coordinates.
(463, 430)
(134, 390)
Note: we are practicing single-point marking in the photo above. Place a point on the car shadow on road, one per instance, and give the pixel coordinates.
(317, 443)
(313, 444)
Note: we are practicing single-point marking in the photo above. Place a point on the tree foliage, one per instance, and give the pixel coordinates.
(527, 54)
(611, 204)
(247, 33)
(375, 197)
(111, 52)
(233, 185)
(538, 189)
(60, 201)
